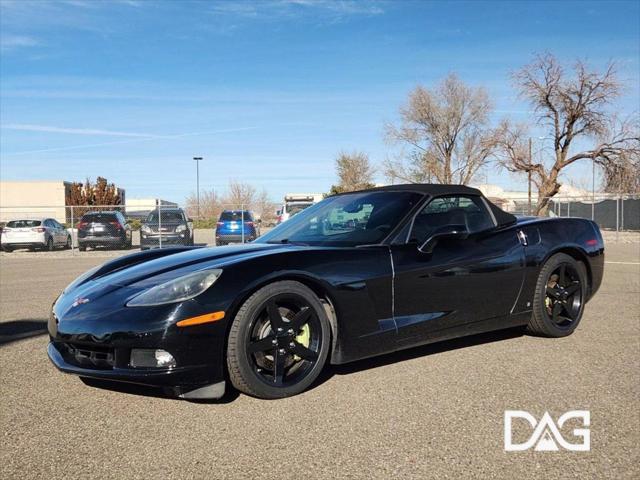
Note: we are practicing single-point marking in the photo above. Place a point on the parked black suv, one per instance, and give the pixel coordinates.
(105, 229)
(169, 224)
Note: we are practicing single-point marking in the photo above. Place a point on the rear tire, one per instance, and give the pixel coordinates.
(82, 248)
(7, 249)
(67, 245)
(49, 246)
(278, 342)
(560, 296)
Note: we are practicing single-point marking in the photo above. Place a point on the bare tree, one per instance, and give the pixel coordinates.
(239, 194)
(570, 108)
(210, 207)
(446, 132)
(264, 208)
(622, 173)
(354, 171)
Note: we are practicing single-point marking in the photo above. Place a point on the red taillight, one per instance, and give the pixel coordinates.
(592, 243)
(82, 225)
(249, 224)
(39, 229)
(219, 224)
(116, 224)
(279, 219)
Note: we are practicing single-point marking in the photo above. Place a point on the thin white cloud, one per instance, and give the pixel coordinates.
(141, 138)
(277, 9)
(74, 131)
(13, 42)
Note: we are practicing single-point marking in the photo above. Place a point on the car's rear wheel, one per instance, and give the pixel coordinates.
(49, 245)
(278, 342)
(7, 249)
(68, 244)
(560, 296)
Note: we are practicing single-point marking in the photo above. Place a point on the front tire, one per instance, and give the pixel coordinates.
(278, 342)
(560, 297)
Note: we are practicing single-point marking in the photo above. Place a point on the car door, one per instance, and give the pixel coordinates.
(51, 230)
(61, 234)
(125, 225)
(461, 280)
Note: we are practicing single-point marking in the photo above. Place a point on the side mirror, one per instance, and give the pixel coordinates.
(453, 232)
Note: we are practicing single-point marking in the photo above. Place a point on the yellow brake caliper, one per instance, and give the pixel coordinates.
(303, 338)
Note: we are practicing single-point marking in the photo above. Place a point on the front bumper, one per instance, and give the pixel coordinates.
(152, 241)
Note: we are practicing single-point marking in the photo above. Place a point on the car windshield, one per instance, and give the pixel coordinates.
(346, 220)
(167, 217)
(293, 208)
(235, 216)
(23, 223)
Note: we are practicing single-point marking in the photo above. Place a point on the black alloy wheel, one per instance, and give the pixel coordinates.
(49, 246)
(560, 297)
(564, 295)
(278, 341)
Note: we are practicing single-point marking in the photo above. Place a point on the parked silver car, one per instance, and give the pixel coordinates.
(42, 233)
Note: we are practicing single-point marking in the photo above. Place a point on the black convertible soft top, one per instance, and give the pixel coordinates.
(437, 189)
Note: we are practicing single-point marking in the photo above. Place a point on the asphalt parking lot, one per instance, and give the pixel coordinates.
(431, 412)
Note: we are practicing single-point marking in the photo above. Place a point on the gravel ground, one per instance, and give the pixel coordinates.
(431, 412)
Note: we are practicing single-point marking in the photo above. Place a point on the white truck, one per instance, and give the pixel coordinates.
(295, 203)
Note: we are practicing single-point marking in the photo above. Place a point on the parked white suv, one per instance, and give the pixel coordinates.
(44, 233)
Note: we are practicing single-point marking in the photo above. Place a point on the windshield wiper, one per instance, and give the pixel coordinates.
(288, 242)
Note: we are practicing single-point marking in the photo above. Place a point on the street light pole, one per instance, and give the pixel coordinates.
(197, 159)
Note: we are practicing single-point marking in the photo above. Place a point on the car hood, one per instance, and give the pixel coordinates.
(158, 270)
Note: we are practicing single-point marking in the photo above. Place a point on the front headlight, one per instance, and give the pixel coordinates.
(181, 228)
(178, 290)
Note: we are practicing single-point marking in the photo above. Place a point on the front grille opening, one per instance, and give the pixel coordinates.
(91, 356)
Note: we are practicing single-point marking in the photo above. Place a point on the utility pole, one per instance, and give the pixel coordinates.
(593, 189)
(198, 159)
(529, 171)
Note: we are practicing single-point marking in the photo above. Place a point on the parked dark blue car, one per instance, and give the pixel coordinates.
(236, 226)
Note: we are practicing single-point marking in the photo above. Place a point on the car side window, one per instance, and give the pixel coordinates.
(49, 223)
(450, 210)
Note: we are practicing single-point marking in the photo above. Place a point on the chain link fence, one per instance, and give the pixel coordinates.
(611, 212)
(121, 227)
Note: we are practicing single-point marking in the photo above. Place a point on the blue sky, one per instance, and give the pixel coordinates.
(267, 92)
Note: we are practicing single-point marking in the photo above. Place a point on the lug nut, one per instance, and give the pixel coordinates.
(281, 350)
(292, 344)
(274, 342)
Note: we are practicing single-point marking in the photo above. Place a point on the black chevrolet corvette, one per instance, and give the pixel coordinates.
(356, 275)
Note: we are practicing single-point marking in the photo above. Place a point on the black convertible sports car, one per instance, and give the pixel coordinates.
(356, 275)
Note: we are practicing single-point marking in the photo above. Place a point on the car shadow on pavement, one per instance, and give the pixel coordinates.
(145, 391)
(416, 352)
(15, 330)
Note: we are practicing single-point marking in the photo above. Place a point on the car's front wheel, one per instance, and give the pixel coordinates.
(560, 296)
(279, 341)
